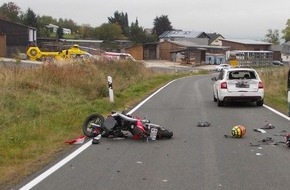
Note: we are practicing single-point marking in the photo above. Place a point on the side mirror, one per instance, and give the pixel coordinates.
(214, 79)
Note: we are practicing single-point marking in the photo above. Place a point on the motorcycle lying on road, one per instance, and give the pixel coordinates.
(117, 123)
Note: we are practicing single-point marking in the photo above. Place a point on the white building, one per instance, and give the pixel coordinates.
(53, 28)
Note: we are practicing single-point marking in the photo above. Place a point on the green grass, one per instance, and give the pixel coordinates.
(275, 83)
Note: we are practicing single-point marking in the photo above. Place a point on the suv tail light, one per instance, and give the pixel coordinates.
(224, 85)
(261, 85)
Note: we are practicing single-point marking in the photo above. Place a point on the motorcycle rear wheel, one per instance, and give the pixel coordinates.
(89, 130)
(164, 133)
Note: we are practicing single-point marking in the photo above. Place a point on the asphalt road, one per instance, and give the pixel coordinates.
(174, 67)
(8, 62)
(195, 158)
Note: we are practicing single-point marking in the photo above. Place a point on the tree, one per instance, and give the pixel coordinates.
(151, 38)
(29, 18)
(86, 31)
(59, 33)
(273, 37)
(42, 22)
(286, 31)
(161, 24)
(137, 33)
(10, 11)
(122, 20)
(109, 32)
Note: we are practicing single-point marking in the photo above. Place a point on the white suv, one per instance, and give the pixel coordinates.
(238, 84)
(222, 66)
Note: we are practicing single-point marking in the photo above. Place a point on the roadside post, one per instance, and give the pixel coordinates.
(288, 90)
(174, 60)
(110, 85)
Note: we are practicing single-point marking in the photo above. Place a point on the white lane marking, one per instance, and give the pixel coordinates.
(139, 105)
(58, 165)
(277, 112)
(55, 167)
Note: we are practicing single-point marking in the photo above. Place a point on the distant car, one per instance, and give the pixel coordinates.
(222, 66)
(238, 84)
(117, 56)
(277, 63)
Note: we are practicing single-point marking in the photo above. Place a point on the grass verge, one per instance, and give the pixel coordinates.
(275, 83)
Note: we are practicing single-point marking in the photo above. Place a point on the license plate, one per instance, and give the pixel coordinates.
(153, 133)
(242, 85)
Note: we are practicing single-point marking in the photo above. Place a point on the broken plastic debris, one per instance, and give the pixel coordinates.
(287, 138)
(268, 126)
(203, 124)
(265, 141)
(260, 130)
(78, 140)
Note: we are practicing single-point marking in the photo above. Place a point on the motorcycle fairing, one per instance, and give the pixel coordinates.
(109, 123)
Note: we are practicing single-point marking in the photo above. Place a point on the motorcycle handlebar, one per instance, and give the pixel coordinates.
(125, 117)
(128, 118)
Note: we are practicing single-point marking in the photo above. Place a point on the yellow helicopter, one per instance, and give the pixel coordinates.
(34, 53)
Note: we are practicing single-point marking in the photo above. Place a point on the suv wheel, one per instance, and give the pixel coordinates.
(214, 98)
(220, 103)
(260, 102)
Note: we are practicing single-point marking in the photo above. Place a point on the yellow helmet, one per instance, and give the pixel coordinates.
(238, 131)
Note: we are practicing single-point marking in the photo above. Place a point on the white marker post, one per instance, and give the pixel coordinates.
(110, 85)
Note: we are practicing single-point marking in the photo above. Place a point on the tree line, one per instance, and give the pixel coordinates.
(117, 27)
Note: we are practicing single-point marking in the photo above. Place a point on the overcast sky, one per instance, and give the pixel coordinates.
(244, 19)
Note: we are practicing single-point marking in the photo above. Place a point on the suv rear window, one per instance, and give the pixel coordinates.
(241, 75)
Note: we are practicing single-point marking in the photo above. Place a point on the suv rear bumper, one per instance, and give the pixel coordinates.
(242, 98)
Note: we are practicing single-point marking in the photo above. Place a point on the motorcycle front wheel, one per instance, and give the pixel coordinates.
(93, 125)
